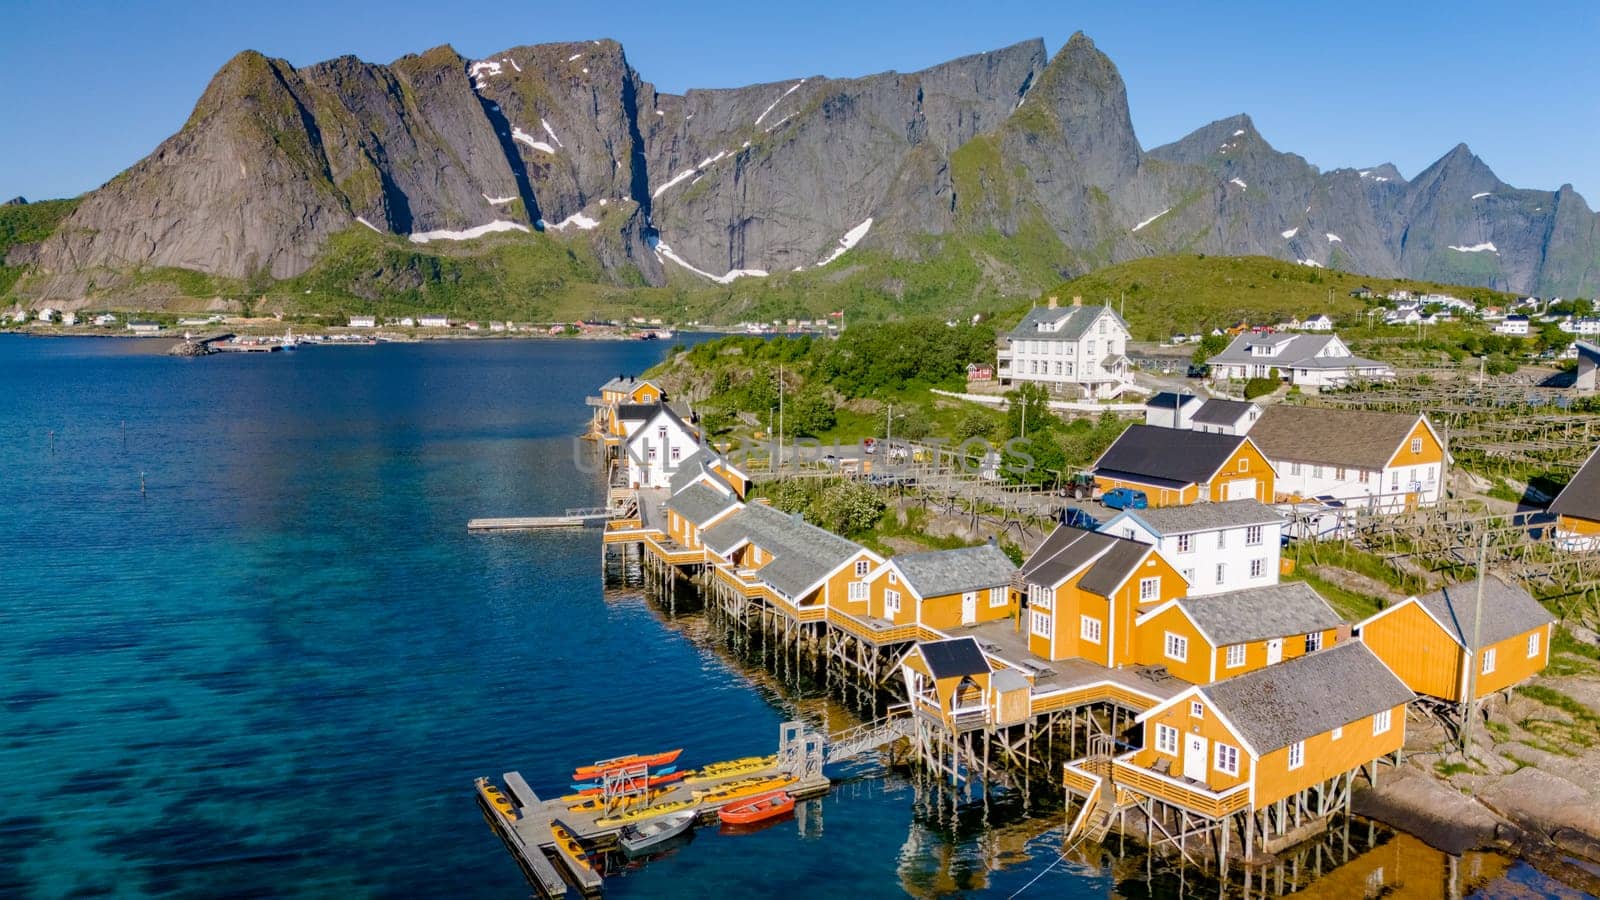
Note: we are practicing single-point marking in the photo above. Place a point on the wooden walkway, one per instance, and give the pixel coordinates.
(572, 518)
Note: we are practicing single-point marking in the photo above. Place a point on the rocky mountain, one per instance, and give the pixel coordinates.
(1033, 158)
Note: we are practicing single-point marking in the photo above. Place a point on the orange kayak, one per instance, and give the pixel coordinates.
(757, 809)
(583, 773)
(591, 788)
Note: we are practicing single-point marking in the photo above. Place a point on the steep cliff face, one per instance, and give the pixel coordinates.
(567, 142)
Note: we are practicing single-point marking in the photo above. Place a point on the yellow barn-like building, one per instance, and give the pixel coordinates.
(1577, 508)
(1206, 639)
(1428, 640)
(1084, 590)
(1176, 466)
(942, 589)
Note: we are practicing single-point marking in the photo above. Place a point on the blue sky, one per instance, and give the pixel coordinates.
(90, 87)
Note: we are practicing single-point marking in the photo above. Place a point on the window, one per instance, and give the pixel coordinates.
(1297, 754)
(1316, 471)
(1533, 645)
(1244, 465)
(1149, 589)
(858, 590)
(1294, 468)
(1252, 536)
(1127, 533)
(676, 452)
(1069, 367)
(1041, 624)
(999, 596)
(652, 455)
(1365, 475)
(1313, 641)
(1197, 710)
(1088, 349)
(1339, 473)
(1227, 760)
(1222, 572)
(1167, 740)
(1236, 655)
(1089, 629)
(1336, 733)
(1432, 473)
(1188, 575)
(1222, 540)
(1416, 445)
(661, 434)
(1488, 661)
(893, 578)
(1394, 480)
(861, 568)
(1185, 543)
(1177, 647)
(891, 602)
(1039, 596)
(1258, 568)
(1380, 722)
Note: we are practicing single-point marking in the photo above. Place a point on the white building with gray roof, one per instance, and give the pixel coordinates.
(1308, 360)
(1078, 349)
(1217, 547)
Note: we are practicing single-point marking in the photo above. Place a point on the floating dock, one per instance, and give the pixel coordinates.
(572, 518)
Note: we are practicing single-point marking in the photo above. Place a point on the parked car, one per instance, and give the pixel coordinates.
(1125, 498)
(1073, 517)
(1198, 370)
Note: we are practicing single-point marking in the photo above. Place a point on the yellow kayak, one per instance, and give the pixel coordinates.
(745, 787)
(594, 803)
(718, 771)
(645, 812)
(569, 846)
(498, 800)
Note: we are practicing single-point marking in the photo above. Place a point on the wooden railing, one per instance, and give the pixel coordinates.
(891, 635)
(1213, 804)
(1099, 692)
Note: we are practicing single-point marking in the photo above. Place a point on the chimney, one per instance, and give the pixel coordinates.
(1052, 303)
(1077, 301)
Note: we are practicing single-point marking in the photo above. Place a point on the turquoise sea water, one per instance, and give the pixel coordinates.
(276, 670)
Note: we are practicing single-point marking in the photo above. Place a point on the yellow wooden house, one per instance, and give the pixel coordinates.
(1177, 466)
(1207, 639)
(942, 589)
(1577, 508)
(1269, 744)
(949, 680)
(1083, 591)
(800, 567)
(699, 505)
(1429, 641)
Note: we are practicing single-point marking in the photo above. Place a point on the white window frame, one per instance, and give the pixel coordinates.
(1039, 597)
(1166, 740)
(1236, 655)
(1252, 536)
(891, 602)
(1226, 759)
(1313, 641)
(1089, 629)
(1222, 572)
(1040, 624)
(862, 566)
(1222, 540)
(1297, 754)
(1380, 722)
(1197, 710)
(1533, 644)
(1416, 445)
(998, 596)
(1149, 589)
(1336, 733)
(893, 578)
(1176, 647)
(858, 590)
(1185, 543)
(1488, 660)
(1258, 567)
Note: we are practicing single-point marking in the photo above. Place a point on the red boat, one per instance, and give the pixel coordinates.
(583, 773)
(757, 809)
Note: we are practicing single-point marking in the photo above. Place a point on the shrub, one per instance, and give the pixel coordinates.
(847, 507)
(1259, 387)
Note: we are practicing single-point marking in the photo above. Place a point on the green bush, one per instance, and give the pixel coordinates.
(847, 508)
(1260, 387)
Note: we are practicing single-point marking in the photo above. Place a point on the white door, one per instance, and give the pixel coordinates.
(1243, 489)
(1274, 650)
(969, 608)
(1194, 757)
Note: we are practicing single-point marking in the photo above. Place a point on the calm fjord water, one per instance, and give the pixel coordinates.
(278, 670)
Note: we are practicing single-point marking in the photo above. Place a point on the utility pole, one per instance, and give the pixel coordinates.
(780, 415)
(1470, 701)
(888, 428)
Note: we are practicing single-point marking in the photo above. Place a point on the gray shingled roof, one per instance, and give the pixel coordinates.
(1508, 611)
(1581, 496)
(1357, 438)
(625, 383)
(1077, 321)
(802, 553)
(1308, 695)
(937, 573)
(1301, 353)
(1066, 549)
(1171, 454)
(700, 503)
(1221, 412)
(1256, 614)
(1192, 517)
(636, 412)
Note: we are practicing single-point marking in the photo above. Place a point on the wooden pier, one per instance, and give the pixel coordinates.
(572, 518)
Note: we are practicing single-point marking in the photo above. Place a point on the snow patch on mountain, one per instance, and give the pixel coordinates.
(850, 239)
(1151, 219)
(467, 235)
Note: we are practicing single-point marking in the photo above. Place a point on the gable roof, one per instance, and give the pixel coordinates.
(1257, 614)
(1067, 550)
(701, 463)
(801, 552)
(1193, 517)
(940, 572)
(636, 412)
(1357, 438)
(626, 384)
(1183, 457)
(1309, 695)
(1299, 351)
(954, 657)
(1171, 400)
(1221, 412)
(1581, 496)
(1075, 322)
(1508, 611)
(700, 503)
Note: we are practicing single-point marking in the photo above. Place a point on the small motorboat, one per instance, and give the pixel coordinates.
(642, 839)
(607, 765)
(757, 809)
(641, 813)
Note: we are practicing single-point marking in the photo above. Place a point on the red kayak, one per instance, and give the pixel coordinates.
(757, 809)
(591, 788)
(583, 773)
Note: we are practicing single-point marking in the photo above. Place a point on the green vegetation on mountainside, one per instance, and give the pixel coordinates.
(1166, 295)
(28, 223)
